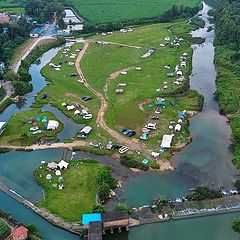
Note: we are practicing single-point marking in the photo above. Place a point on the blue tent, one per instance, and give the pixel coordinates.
(160, 102)
(38, 119)
(145, 161)
(182, 114)
(94, 217)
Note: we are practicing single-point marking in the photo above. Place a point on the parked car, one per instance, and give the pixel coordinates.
(95, 144)
(86, 98)
(123, 149)
(73, 75)
(87, 116)
(155, 118)
(127, 132)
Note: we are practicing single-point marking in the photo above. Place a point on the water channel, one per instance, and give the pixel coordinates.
(206, 160)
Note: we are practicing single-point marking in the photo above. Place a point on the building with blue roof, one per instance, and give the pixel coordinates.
(36, 32)
(93, 217)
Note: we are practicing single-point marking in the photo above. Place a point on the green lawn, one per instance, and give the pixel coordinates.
(99, 11)
(17, 131)
(124, 110)
(2, 93)
(79, 193)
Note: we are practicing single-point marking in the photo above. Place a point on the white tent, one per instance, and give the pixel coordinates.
(166, 141)
(71, 107)
(49, 177)
(52, 125)
(2, 127)
(177, 128)
(58, 173)
(52, 165)
(77, 112)
(63, 165)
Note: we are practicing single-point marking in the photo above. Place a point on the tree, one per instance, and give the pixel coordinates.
(97, 208)
(123, 207)
(236, 225)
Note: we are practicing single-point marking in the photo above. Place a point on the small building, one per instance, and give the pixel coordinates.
(36, 32)
(52, 125)
(95, 231)
(115, 220)
(21, 233)
(166, 141)
(4, 18)
(63, 165)
(92, 217)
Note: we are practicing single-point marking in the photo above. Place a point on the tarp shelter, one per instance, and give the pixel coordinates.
(63, 165)
(77, 112)
(166, 141)
(52, 125)
(182, 114)
(52, 165)
(86, 130)
(160, 102)
(88, 218)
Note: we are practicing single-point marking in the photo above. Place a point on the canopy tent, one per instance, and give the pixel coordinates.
(52, 125)
(52, 165)
(86, 130)
(63, 165)
(166, 141)
(71, 107)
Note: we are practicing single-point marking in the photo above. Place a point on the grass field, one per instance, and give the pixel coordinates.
(79, 193)
(113, 11)
(127, 110)
(12, 10)
(17, 131)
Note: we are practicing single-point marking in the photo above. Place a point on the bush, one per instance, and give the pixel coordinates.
(128, 162)
(98, 208)
(123, 207)
(105, 182)
(5, 230)
(203, 193)
(236, 225)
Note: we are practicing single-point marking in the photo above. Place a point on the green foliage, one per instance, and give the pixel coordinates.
(123, 207)
(131, 163)
(5, 104)
(5, 230)
(237, 185)
(42, 10)
(202, 193)
(97, 208)
(105, 182)
(236, 224)
(2, 93)
(114, 11)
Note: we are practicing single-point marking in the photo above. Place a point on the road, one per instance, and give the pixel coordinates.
(9, 89)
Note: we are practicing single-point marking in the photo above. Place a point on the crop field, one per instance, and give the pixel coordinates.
(105, 11)
(10, 3)
(12, 10)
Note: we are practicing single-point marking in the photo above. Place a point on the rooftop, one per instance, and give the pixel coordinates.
(94, 217)
(114, 216)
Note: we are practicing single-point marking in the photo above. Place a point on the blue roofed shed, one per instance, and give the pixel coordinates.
(94, 217)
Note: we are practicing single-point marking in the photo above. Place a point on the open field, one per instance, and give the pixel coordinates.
(79, 193)
(119, 11)
(128, 109)
(102, 65)
(17, 131)
(12, 10)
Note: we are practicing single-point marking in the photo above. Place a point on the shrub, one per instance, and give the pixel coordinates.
(5, 230)
(128, 162)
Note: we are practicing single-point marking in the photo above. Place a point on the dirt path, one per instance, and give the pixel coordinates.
(9, 89)
(77, 143)
(26, 50)
(133, 144)
(112, 77)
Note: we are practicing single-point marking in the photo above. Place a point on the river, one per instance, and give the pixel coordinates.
(207, 160)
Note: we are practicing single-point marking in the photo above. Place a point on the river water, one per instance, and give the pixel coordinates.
(207, 160)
